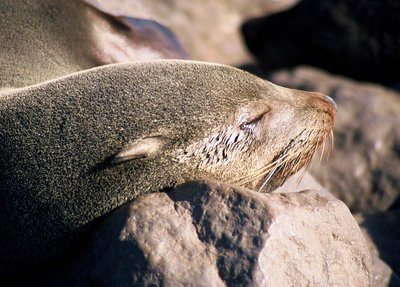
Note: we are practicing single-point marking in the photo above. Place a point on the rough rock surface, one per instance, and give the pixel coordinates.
(364, 167)
(209, 30)
(213, 234)
(379, 228)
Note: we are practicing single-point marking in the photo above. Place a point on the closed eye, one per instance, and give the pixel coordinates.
(249, 122)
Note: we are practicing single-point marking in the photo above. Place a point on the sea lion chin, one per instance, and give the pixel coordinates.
(75, 148)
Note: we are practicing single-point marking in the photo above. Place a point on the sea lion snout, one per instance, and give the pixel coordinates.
(319, 102)
(327, 104)
(330, 100)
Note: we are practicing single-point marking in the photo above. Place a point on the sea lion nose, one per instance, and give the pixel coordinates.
(330, 100)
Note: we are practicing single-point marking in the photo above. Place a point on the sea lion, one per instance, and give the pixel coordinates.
(41, 40)
(74, 148)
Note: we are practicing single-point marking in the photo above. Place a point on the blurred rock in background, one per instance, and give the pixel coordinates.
(359, 39)
(383, 230)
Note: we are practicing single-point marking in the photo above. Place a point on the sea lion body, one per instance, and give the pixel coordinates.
(66, 145)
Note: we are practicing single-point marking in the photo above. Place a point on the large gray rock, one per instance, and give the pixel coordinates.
(213, 234)
(364, 168)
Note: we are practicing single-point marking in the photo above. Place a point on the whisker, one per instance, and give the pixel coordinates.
(297, 163)
(254, 176)
(304, 171)
(291, 159)
(263, 170)
(322, 152)
(332, 144)
(266, 181)
(285, 166)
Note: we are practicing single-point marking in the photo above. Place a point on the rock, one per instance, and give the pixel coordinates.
(214, 234)
(209, 30)
(354, 38)
(302, 181)
(364, 167)
(382, 275)
(382, 232)
(382, 236)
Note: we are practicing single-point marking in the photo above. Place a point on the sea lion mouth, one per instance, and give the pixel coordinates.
(294, 156)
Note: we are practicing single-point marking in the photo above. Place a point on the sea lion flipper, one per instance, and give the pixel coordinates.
(142, 148)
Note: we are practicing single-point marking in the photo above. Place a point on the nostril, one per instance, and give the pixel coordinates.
(329, 99)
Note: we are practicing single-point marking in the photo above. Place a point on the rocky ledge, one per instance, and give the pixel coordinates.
(214, 234)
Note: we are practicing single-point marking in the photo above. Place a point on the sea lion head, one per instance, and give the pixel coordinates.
(263, 137)
(74, 148)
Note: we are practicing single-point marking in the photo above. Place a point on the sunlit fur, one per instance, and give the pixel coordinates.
(209, 121)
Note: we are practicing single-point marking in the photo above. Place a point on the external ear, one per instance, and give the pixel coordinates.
(143, 148)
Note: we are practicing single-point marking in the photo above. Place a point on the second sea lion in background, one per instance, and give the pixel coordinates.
(41, 40)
